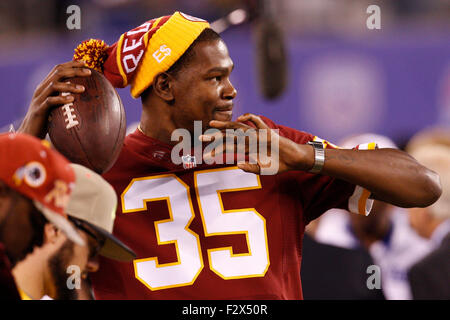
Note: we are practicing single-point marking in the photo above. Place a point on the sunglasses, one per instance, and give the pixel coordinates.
(99, 241)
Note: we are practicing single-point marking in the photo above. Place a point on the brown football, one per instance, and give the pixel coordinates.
(90, 130)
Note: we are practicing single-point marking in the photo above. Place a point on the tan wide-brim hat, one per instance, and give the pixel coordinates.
(94, 202)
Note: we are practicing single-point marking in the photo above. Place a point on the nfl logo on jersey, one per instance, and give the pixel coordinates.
(188, 162)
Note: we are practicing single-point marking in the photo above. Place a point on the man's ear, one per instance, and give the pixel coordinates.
(163, 86)
(51, 233)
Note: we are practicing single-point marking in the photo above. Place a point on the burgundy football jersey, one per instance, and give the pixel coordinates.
(213, 231)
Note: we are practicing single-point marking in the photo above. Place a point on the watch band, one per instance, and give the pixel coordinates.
(319, 156)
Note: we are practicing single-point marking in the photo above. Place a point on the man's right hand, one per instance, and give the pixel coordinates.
(48, 95)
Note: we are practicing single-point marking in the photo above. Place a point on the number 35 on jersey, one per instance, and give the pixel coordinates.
(209, 185)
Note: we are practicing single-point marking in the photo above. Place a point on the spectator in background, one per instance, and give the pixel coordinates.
(346, 278)
(44, 273)
(385, 233)
(432, 135)
(35, 185)
(430, 277)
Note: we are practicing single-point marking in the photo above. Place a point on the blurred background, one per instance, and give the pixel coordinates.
(310, 65)
(341, 78)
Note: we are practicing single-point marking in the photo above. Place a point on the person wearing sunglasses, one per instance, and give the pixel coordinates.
(60, 268)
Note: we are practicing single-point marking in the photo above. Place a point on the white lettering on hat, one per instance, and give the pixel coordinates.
(134, 44)
(162, 53)
(134, 60)
(69, 117)
(142, 28)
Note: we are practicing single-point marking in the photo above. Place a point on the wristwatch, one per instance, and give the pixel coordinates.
(319, 156)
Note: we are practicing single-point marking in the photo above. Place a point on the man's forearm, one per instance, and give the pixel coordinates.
(391, 175)
(34, 125)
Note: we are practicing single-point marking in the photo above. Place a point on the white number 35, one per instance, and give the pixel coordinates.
(209, 184)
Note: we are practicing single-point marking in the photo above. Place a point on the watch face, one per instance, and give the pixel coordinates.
(315, 143)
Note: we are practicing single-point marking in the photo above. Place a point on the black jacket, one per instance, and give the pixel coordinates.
(8, 289)
(333, 273)
(430, 277)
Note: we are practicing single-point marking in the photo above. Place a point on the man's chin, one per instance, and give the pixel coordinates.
(58, 264)
(222, 115)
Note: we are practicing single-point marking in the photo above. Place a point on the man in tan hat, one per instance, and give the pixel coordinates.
(430, 277)
(54, 269)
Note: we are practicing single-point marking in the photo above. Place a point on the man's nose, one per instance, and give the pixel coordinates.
(230, 91)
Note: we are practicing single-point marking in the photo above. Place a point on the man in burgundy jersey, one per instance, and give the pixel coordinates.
(216, 231)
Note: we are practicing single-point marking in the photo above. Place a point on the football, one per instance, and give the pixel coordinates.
(91, 129)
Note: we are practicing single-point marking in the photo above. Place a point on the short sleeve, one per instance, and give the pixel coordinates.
(320, 193)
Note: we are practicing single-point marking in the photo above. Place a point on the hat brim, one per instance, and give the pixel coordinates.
(113, 247)
(61, 222)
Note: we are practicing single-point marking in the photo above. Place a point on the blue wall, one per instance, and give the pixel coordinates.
(393, 84)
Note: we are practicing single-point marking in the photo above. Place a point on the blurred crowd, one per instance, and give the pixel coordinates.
(299, 16)
(409, 247)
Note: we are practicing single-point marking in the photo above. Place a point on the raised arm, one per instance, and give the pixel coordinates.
(48, 95)
(390, 175)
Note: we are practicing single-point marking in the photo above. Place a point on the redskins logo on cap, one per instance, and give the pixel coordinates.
(34, 174)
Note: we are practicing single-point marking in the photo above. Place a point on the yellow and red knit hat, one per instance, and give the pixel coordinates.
(143, 52)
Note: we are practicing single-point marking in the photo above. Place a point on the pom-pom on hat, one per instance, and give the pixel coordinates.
(143, 52)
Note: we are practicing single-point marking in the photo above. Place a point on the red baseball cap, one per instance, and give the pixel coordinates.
(29, 166)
